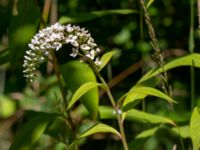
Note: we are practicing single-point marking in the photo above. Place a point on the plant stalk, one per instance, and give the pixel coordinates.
(114, 105)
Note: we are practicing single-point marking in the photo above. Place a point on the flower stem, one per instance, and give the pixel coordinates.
(59, 78)
(114, 105)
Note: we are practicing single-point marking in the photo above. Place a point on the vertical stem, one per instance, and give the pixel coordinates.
(114, 105)
(141, 40)
(191, 49)
(59, 78)
(45, 13)
(198, 8)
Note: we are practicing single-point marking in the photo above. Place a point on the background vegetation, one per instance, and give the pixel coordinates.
(26, 109)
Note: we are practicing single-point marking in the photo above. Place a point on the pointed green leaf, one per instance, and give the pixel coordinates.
(31, 132)
(147, 133)
(194, 128)
(106, 58)
(75, 74)
(183, 131)
(145, 117)
(140, 92)
(99, 127)
(188, 60)
(81, 91)
(149, 3)
(83, 17)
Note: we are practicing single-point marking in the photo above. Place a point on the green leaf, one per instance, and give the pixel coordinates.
(183, 131)
(106, 58)
(149, 3)
(59, 130)
(81, 91)
(140, 92)
(75, 74)
(22, 27)
(188, 60)
(99, 127)
(31, 132)
(83, 17)
(7, 106)
(147, 133)
(4, 56)
(145, 117)
(194, 128)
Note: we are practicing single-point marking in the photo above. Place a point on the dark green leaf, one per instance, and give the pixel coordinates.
(31, 132)
(4, 56)
(75, 74)
(22, 28)
(83, 17)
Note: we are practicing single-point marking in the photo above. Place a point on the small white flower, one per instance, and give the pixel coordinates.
(97, 61)
(53, 38)
(85, 47)
(74, 52)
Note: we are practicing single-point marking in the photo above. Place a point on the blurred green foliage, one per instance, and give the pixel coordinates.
(37, 110)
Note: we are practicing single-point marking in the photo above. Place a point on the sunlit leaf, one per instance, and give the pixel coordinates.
(183, 131)
(81, 91)
(99, 127)
(142, 91)
(140, 116)
(194, 128)
(31, 132)
(147, 133)
(75, 74)
(83, 17)
(106, 58)
(149, 3)
(188, 60)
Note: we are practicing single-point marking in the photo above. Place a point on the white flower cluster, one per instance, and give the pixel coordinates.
(52, 38)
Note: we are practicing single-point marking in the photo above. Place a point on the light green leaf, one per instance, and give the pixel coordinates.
(147, 133)
(140, 92)
(81, 91)
(183, 131)
(7, 106)
(188, 60)
(75, 74)
(99, 127)
(106, 58)
(194, 128)
(145, 117)
(83, 17)
(31, 132)
(149, 3)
